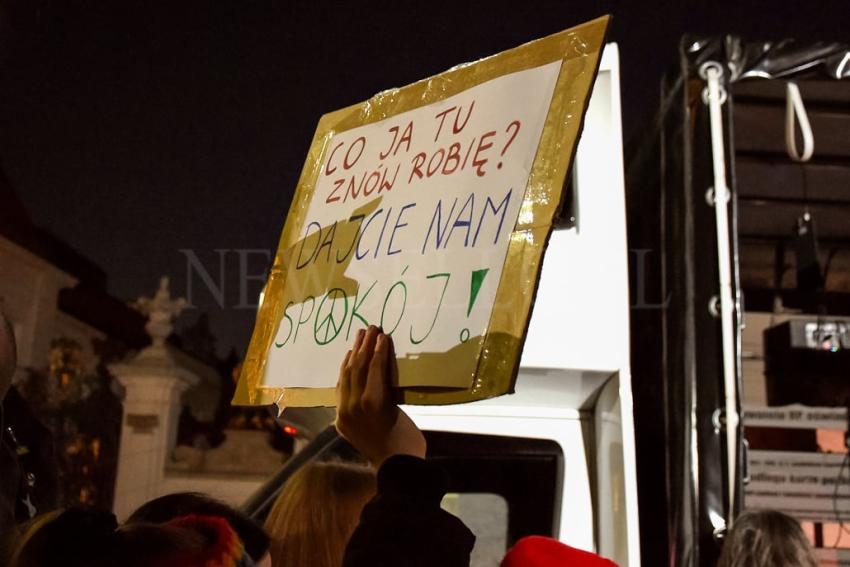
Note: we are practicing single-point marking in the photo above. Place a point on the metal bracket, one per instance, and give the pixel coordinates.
(718, 420)
(714, 306)
(703, 72)
(711, 196)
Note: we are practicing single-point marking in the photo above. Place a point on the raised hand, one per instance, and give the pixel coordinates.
(367, 414)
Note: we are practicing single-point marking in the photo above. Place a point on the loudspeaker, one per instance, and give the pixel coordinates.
(808, 362)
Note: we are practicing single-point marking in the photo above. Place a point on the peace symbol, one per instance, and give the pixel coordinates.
(327, 327)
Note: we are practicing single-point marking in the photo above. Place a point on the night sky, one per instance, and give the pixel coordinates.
(134, 130)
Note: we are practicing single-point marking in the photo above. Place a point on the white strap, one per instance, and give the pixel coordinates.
(795, 109)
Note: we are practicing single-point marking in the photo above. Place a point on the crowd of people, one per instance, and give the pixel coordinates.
(329, 514)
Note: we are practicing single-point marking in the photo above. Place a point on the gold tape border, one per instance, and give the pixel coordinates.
(580, 51)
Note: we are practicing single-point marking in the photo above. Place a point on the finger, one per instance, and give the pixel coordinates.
(360, 371)
(357, 375)
(394, 392)
(377, 379)
(358, 340)
(345, 360)
(344, 367)
(392, 363)
(343, 385)
(338, 400)
(358, 384)
(367, 347)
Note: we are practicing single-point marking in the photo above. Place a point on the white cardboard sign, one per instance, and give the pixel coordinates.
(435, 193)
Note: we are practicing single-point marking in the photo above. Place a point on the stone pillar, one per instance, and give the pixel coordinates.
(154, 385)
(148, 431)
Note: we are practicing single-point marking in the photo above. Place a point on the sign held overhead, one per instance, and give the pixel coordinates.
(425, 211)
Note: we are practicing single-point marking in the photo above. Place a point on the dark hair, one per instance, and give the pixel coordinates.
(766, 539)
(83, 538)
(64, 537)
(166, 508)
(152, 545)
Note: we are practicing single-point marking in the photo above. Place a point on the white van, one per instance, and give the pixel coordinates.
(574, 385)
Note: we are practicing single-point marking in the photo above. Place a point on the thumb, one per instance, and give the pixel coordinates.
(393, 365)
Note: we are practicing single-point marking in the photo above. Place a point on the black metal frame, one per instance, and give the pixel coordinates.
(677, 370)
(676, 344)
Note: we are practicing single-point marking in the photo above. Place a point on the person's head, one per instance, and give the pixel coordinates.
(66, 538)
(27, 546)
(539, 551)
(166, 508)
(766, 539)
(188, 541)
(153, 545)
(220, 544)
(8, 355)
(83, 538)
(316, 513)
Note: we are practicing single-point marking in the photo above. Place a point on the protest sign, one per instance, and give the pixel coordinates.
(426, 211)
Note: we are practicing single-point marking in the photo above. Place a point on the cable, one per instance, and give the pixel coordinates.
(833, 252)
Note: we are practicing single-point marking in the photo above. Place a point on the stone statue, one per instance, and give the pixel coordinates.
(161, 311)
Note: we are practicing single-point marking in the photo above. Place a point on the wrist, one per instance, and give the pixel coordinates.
(412, 449)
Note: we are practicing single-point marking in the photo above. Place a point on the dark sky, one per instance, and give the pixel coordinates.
(134, 130)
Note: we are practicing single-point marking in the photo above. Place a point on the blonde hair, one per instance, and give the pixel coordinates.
(316, 513)
(766, 539)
